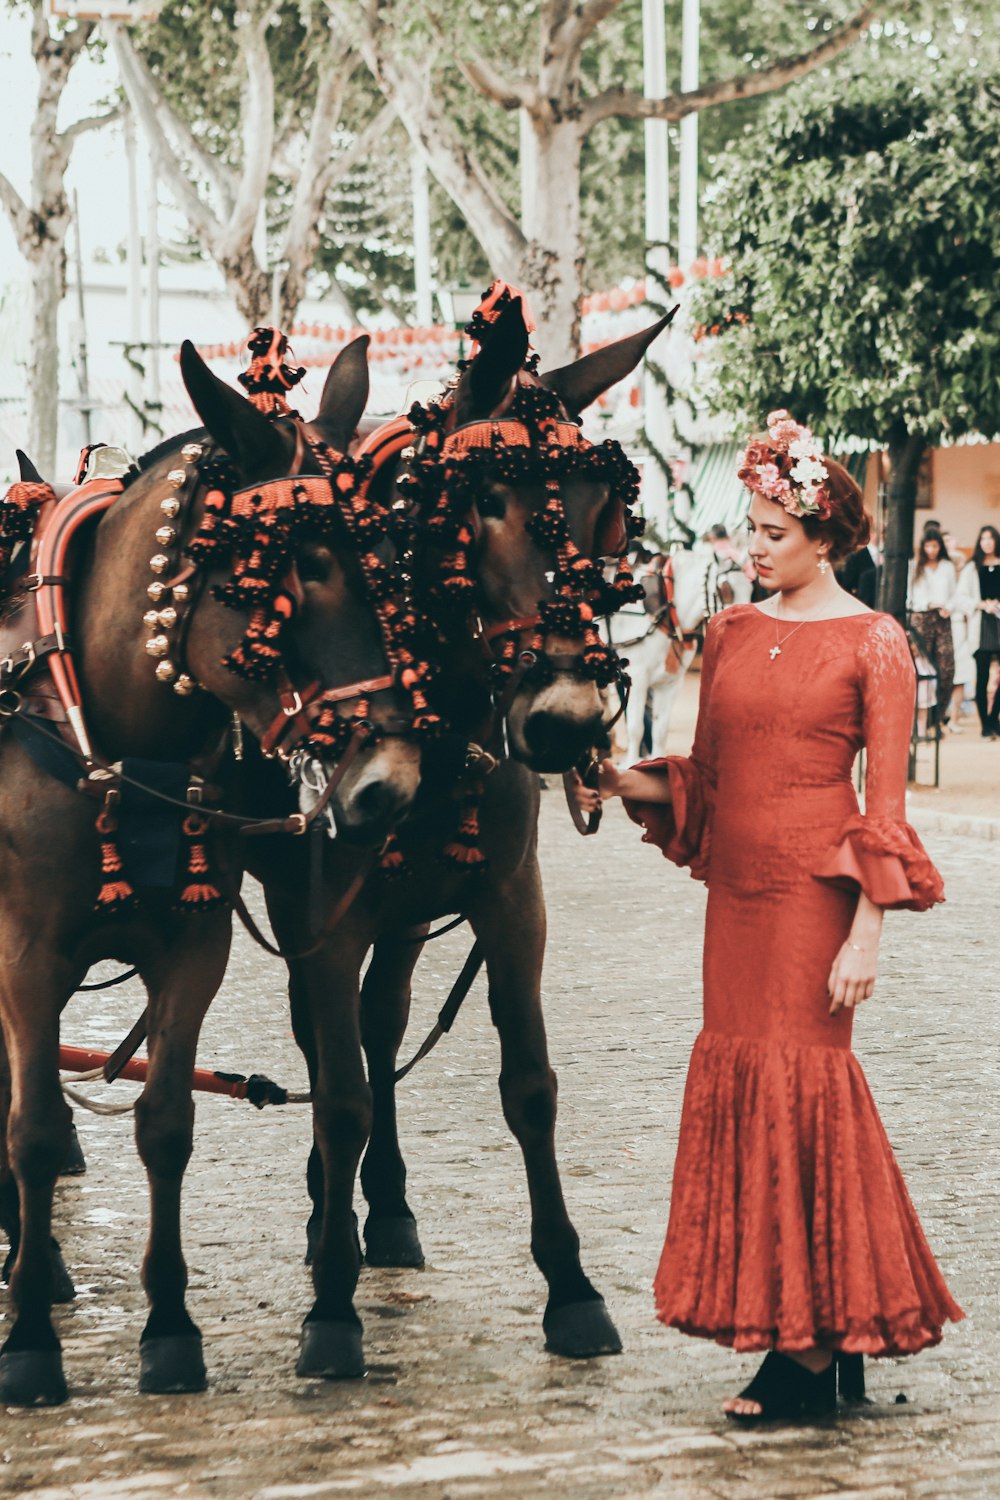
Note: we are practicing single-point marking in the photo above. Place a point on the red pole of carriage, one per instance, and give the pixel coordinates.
(258, 1089)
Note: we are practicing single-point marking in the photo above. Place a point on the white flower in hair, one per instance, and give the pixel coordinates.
(808, 471)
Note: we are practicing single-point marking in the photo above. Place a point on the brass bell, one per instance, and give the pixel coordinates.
(165, 535)
(191, 450)
(157, 645)
(182, 592)
(185, 685)
(170, 506)
(159, 562)
(151, 619)
(165, 671)
(177, 476)
(168, 617)
(156, 591)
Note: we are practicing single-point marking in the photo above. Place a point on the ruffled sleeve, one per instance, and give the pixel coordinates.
(878, 851)
(682, 827)
(885, 858)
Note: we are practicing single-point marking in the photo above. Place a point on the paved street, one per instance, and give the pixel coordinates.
(461, 1400)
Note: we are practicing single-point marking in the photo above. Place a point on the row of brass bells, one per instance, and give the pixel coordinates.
(164, 616)
(168, 673)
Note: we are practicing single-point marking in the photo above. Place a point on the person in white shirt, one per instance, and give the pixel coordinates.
(933, 582)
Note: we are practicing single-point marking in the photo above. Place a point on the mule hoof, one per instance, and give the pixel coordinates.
(581, 1330)
(332, 1351)
(75, 1163)
(32, 1377)
(393, 1242)
(63, 1289)
(171, 1365)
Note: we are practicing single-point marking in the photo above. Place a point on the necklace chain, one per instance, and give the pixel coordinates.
(775, 650)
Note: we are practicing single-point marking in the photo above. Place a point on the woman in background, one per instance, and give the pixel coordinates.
(933, 581)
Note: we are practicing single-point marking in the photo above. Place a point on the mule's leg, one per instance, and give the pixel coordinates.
(324, 991)
(181, 988)
(37, 1135)
(577, 1323)
(391, 1237)
(63, 1289)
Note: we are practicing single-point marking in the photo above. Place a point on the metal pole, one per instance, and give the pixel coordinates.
(153, 284)
(82, 373)
(687, 217)
(421, 241)
(134, 351)
(657, 416)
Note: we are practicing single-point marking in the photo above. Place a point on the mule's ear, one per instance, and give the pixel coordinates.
(252, 441)
(345, 395)
(582, 382)
(27, 468)
(487, 380)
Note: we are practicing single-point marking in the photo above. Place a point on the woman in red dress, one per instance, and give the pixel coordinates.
(790, 1228)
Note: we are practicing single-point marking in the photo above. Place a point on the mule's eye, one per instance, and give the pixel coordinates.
(314, 565)
(491, 505)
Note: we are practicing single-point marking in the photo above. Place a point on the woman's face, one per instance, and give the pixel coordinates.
(783, 555)
(932, 549)
(987, 545)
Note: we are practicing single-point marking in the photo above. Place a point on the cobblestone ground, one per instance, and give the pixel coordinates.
(461, 1400)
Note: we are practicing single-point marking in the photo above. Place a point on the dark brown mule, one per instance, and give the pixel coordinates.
(553, 718)
(49, 856)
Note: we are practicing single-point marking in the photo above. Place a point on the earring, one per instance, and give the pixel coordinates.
(823, 565)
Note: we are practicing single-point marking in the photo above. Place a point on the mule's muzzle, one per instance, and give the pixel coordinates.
(372, 814)
(377, 792)
(554, 742)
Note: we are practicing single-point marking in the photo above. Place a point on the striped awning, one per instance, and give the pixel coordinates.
(720, 498)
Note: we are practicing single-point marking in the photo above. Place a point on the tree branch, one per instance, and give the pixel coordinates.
(18, 211)
(140, 81)
(622, 104)
(90, 122)
(510, 93)
(427, 124)
(318, 160)
(588, 16)
(151, 108)
(257, 128)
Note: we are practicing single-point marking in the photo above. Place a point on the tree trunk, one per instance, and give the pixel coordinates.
(906, 449)
(551, 265)
(48, 276)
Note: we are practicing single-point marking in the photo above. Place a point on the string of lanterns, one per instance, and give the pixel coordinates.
(437, 344)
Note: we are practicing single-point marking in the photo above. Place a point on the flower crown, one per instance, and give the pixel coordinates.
(786, 466)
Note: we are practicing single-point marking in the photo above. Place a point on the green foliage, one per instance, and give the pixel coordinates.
(860, 219)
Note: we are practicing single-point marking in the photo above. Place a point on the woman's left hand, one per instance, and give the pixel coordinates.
(852, 978)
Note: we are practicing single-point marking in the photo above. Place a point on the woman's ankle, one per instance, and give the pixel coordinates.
(814, 1360)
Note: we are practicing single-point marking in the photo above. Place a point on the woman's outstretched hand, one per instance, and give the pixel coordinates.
(637, 785)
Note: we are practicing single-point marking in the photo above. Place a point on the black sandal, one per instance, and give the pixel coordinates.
(851, 1379)
(787, 1392)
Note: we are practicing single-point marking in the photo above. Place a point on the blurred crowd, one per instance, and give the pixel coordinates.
(953, 607)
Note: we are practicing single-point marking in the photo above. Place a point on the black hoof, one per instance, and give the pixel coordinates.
(75, 1163)
(332, 1351)
(171, 1365)
(32, 1377)
(393, 1242)
(63, 1289)
(581, 1330)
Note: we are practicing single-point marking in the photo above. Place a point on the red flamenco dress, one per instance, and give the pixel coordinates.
(790, 1225)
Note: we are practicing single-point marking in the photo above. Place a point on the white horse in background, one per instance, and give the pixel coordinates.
(660, 637)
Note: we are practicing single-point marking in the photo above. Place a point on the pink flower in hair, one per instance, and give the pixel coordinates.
(785, 465)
